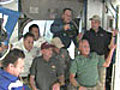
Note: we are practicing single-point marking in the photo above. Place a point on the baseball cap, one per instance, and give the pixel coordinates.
(57, 42)
(95, 17)
(46, 45)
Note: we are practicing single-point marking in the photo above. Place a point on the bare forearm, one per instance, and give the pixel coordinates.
(109, 58)
(112, 42)
(74, 81)
(32, 83)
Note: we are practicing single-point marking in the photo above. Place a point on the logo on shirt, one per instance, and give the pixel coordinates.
(101, 35)
(53, 67)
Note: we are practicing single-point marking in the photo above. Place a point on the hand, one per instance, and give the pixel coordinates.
(56, 86)
(114, 32)
(66, 27)
(113, 47)
(82, 88)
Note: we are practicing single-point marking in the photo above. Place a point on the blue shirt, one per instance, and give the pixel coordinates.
(10, 82)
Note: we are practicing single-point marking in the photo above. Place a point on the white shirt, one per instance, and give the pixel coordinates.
(29, 56)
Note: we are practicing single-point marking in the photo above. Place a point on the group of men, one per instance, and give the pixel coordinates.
(53, 69)
(100, 41)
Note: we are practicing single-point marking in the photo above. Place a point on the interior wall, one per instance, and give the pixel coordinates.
(43, 9)
(94, 8)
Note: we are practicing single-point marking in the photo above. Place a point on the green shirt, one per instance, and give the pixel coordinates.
(87, 69)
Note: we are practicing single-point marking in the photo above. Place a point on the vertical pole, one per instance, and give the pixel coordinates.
(19, 10)
(117, 62)
(103, 13)
(85, 13)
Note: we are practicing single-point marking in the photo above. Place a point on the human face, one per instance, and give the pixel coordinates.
(80, 46)
(57, 50)
(84, 48)
(95, 24)
(47, 53)
(18, 67)
(28, 43)
(67, 16)
(35, 32)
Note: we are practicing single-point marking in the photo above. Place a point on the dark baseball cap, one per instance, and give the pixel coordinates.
(46, 45)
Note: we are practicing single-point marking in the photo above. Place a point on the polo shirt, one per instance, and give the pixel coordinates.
(86, 69)
(46, 73)
(98, 41)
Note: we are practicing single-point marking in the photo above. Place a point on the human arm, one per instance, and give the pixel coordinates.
(75, 83)
(32, 82)
(73, 80)
(73, 72)
(32, 74)
(112, 41)
(58, 26)
(109, 57)
(60, 73)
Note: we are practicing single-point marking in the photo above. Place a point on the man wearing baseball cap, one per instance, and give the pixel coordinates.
(99, 41)
(61, 54)
(98, 38)
(46, 72)
(95, 17)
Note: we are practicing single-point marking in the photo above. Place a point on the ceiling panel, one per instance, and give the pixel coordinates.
(48, 9)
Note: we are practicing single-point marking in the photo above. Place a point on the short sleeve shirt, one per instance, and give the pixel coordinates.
(98, 41)
(46, 73)
(86, 69)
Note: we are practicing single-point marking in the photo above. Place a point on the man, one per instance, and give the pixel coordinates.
(46, 72)
(30, 53)
(85, 66)
(65, 29)
(13, 65)
(62, 55)
(100, 41)
(38, 39)
(98, 38)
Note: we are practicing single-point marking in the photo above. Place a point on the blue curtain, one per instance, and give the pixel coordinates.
(11, 21)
